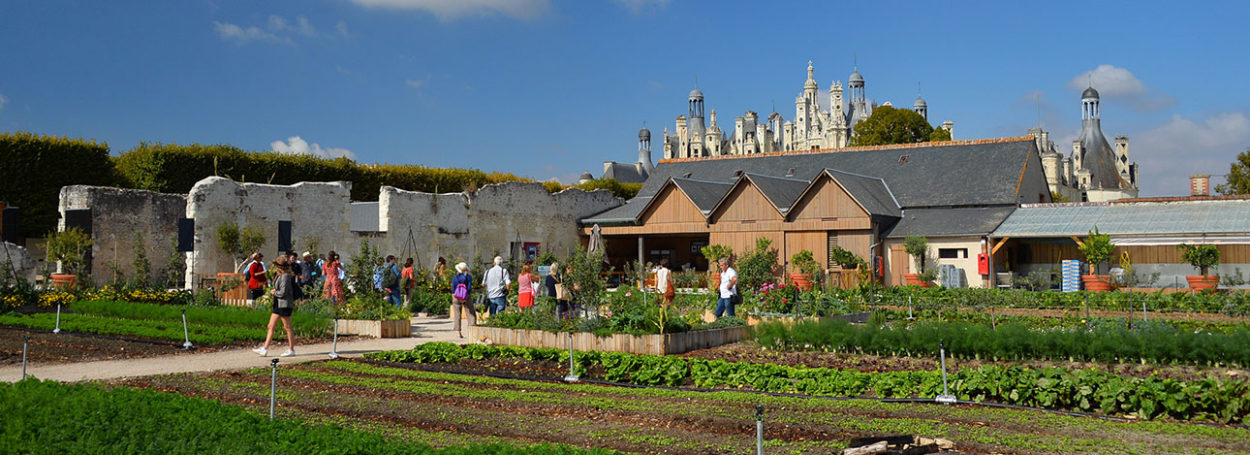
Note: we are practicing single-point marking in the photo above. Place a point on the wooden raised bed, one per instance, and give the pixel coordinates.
(399, 328)
(669, 343)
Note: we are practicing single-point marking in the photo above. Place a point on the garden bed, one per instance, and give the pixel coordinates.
(397, 328)
(448, 409)
(659, 344)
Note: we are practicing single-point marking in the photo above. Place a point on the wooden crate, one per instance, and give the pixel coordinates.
(669, 343)
(400, 328)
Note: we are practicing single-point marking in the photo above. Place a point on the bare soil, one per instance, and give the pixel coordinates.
(445, 409)
(46, 347)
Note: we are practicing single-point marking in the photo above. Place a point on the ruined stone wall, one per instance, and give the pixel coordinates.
(15, 259)
(318, 211)
(122, 219)
(457, 226)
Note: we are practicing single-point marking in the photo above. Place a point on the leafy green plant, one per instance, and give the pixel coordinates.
(758, 266)
(714, 253)
(845, 259)
(69, 247)
(1097, 249)
(238, 244)
(1202, 257)
(918, 247)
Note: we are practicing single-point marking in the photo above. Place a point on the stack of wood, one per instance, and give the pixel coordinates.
(898, 445)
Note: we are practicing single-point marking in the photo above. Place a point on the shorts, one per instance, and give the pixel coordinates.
(282, 311)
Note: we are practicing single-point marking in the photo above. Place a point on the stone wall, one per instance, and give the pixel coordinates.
(457, 226)
(122, 219)
(17, 259)
(318, 211)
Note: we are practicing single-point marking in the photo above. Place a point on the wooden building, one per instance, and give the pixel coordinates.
(863, 199)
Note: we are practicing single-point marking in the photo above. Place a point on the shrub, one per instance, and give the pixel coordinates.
(1202, 257)
(35, 167)
(1097, 249)
(758, 266)
(69, 247)
(918, 247)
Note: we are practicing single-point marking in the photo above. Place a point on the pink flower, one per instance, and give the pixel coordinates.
(627, 293)
(783, 300)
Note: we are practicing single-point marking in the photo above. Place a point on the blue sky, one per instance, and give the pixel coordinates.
(547, 89)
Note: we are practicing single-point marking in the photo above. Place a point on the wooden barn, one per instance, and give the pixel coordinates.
(864, 199)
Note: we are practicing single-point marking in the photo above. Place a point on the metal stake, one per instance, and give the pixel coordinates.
(58, 319)
(25, 344)
(909, 316)
(186, 344)
(1086, 311)
(334, 348)
(572, 377)
(759, 429)
(945, 397)
(1143, 308)
(273, 388)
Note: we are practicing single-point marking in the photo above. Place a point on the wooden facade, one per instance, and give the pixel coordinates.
(825, 216)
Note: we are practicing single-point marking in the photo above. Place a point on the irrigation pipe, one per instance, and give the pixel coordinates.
(930, 401)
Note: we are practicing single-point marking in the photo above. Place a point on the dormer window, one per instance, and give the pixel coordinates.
(903, 159)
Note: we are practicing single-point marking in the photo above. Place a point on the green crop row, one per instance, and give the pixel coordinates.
(1050, 388)
(153, 330)
(1153, 342)
(1232, 303)
(48, 417)
(306, 323)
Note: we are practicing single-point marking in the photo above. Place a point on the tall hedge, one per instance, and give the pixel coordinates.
(33, 168)
(172, 168)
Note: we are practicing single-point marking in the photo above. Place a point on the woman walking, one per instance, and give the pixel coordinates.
(407, 281)
(283, 305)
(555, 289)
(333, 271)
(461, 288)
(256, 277)
(525, 288)
(664, 282)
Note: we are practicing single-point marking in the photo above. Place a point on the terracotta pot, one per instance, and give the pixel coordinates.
(63, 280)
(713, 280)
(1203, 282)
(801, 280)
(913, 279)
(1096, 283)
(926, 284)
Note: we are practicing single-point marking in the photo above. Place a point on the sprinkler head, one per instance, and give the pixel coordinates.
(274, 362)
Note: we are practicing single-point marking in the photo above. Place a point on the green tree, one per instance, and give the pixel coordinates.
(1238, 176)
(888, 125)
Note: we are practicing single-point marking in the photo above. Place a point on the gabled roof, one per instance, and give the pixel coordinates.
(957, 173)
(871, 193)
(624, 173)
(704, 194)
(782, 192)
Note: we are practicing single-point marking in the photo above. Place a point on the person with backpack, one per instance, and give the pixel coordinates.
(256, 277)
(461, 287)
(387, 281)
(496, 283)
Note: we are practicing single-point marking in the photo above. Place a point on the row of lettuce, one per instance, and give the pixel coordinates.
(1083, 390)
(48, 417)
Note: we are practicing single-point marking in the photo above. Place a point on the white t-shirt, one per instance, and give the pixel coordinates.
(725, 277)
(661, 279)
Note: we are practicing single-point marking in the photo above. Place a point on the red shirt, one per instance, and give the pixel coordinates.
(257, 278)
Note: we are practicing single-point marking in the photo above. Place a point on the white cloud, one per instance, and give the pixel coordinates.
(1170, 153)
(450, 10)
(1121, 85)
(277, 31)
(341, 27)
(298, 146)
(3, 100)
(641, 6)
(241, 36)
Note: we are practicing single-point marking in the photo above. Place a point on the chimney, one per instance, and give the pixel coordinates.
(1200, 185)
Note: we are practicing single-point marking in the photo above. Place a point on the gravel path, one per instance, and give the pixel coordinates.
(424, 330)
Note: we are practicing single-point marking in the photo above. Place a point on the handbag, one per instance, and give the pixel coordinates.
(562, 293)
(670, 293)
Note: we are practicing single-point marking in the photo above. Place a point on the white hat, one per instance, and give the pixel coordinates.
(462, 267)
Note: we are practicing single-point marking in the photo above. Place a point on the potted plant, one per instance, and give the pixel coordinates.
(1202, 257)
(713, 253)
(237, 244)
(807, 269)
(1097, 249)
(69, 248)
(918, 248)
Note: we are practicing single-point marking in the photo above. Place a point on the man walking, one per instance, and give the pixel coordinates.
(728, 288)
(496, 282)
(390, 282)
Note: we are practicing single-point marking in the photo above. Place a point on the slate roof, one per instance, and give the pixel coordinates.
(624, 173)
(963, 173)
(871, 192)
(781, 191)
(1219, 217)
(884, 179)
(957, 222)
